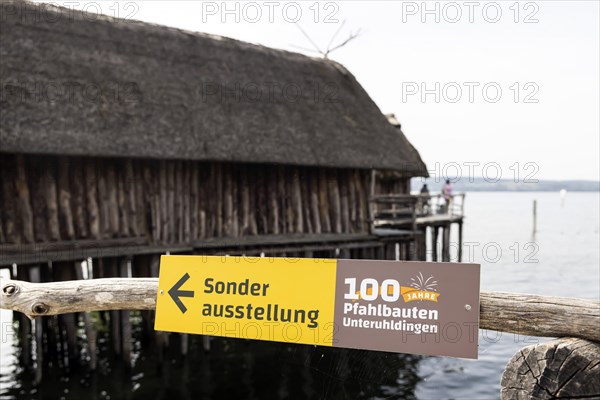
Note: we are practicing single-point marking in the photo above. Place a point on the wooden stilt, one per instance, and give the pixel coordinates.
(124, 318)
(140, 268)
(206, 343)
(23, 200)
(123, 215)
(390, 251)
(24, 323)
(65, 271)
(160, 190)
(228, 201)
(38, 200)
(446, 244)
(90, 331)
(9, 199)
(435, 231)
(218, 176)
(423, 246)
(313, 185)
(380, 253)
(460, 241)
(344, 253)
(50, 325)
(160, 338)
(172, 201)
(111, 269)
(39, 332)
(184, 340)
(91, 198)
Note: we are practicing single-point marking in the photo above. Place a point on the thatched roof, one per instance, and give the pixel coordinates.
(80, 84)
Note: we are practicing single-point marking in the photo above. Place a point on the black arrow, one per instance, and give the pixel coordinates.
(175, 293)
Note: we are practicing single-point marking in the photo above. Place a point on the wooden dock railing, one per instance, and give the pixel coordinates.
(560, 368)
(436, 204)
(403, 209)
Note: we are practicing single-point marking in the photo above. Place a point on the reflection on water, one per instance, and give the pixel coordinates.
(231, 369)
(566, 263)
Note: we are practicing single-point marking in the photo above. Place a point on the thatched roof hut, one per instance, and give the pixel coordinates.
(121, 141)
(80, 84)
(128, 136)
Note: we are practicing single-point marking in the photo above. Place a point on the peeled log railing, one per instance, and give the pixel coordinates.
(560, 368)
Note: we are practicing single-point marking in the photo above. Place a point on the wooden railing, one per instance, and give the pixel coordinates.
(437, 204)
(558, 369)
(397, 211)
(401, 211)
(524, 314)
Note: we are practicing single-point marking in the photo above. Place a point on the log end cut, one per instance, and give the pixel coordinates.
(559, 369)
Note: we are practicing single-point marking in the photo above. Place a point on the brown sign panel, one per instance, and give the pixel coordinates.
(409, 307)
(395, 306)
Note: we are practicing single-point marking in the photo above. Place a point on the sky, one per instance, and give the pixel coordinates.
(495, 89)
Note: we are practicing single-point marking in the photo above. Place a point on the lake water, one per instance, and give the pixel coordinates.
(561, 259)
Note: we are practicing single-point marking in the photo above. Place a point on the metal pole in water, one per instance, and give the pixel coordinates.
(534, 216)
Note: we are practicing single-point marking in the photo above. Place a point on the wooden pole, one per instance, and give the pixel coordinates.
(324, 203)
(111, 268)
(245, 199)
(534, 216)
(334, 202)
(435, 232)
(91, 198)
(228, 201)
(194, 201)
(371, 206)
(141, 199)
(171, 210)
(126, 345)
(446, 243)
(282, 197)
(9, 195)
(296, 200)
(90, 331)
(24, 323)
(112, 199)
(122, 203)
(305, 196)
(524, 314)
(39, 333)
(460, 241)
(23, 200)
(65, 271)
(272, 198)
(160, 188)
(314, 200)
(38, 200)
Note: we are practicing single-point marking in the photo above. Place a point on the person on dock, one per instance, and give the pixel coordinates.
(447, 194)
(424, 200)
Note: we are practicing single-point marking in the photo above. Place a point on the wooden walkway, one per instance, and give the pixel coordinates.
(248, 245)
(440, 219)
(416, 214)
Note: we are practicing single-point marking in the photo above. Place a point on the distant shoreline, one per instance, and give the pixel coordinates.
(507, 185)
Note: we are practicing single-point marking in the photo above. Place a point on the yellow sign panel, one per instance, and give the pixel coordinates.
(278, 299)
(409, 307)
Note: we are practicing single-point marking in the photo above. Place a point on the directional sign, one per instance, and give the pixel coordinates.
(396, 306)
(176, 293)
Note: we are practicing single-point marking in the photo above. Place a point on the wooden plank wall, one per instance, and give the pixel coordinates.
(52, 199)
(391, 185)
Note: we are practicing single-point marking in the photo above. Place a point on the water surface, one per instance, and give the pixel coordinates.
(560, 259)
